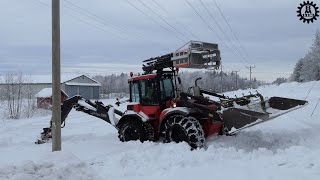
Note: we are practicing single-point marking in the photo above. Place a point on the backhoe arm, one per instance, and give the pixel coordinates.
(97, 109)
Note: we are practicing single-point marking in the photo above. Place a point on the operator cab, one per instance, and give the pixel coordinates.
(151, 90)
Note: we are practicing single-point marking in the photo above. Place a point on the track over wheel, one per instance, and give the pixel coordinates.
(180, 128)
(148, 132)
(135, 130)
(223, 131)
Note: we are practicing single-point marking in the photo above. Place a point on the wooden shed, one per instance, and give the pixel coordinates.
(44, 98)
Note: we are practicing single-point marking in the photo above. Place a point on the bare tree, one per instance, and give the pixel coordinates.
(29, 107)
(13, 94)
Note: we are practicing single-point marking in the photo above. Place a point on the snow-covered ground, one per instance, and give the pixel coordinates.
(286, 148)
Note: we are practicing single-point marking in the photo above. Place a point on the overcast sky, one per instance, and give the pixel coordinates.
(112, 36)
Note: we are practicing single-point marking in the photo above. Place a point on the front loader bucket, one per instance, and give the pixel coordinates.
(240, 117)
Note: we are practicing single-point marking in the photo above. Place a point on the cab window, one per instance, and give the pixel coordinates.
(167, 89)
(134, 92)
(149, 92)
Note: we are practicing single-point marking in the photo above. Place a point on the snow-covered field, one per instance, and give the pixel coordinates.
(286, 148)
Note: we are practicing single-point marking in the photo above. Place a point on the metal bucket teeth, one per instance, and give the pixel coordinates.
(45, 136)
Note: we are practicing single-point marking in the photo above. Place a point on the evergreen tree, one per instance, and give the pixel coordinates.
(308, 68)
(296, 75)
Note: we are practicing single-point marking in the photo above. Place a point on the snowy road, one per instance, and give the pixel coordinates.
(286, 148)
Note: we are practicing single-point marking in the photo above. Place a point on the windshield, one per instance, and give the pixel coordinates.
(149, 92)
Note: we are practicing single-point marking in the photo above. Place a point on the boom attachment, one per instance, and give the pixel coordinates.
(197, 55)
(194, 54)
(97, 109)
(240, 117)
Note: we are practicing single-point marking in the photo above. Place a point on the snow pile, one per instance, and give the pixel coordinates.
(287, 147)
(73, 168)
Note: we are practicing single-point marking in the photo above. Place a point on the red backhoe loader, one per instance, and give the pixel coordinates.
(159, 110)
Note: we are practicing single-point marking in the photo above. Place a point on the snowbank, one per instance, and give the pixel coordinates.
(287, 147)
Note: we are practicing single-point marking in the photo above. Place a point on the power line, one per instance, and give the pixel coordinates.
(208, 25)
(95, 18)
(119, 28)
(234, 34)
(215, 21)
(166, 22)
(311, 88)
(151, 18)
(41, 2)
(178, 22)
(92, 25)
(81, 20)
(315, 108)
(101, 20)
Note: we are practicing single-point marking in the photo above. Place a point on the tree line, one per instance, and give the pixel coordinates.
(308, 67)
(211, 80)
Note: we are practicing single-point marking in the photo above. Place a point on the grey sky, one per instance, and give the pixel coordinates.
(269, 30)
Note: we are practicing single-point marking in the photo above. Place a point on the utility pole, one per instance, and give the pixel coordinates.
(236, 78)
(56, 90)
(250, 68)
(221, 79)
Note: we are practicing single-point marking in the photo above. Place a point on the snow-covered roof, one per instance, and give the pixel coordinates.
(47, 92)
(84, 76)
(82, 84)
(94, 82)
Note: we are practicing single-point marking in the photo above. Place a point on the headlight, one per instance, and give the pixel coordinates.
(174, 105)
